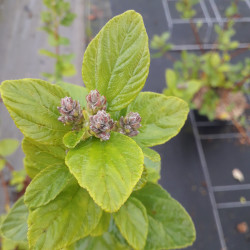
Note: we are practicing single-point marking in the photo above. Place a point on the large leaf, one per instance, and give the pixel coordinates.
(162, 117)
(116, 61)
(40, 156)
(152, 162)
(132, 221)
(32, 105)
(14, 227)
(108, 170)
(78, 93)
(170, 226)
(47, 185)
(8, 146)
(71, 216)
(103, 225)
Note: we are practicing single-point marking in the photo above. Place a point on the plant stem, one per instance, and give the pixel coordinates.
(239, 51)
(242, 131)
(7, 164)
(196, 35)
(169, 57)
(241, 83)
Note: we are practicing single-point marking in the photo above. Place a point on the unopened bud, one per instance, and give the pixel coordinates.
(130, 124)
(101, 124)
(95, 101)
(70, 110)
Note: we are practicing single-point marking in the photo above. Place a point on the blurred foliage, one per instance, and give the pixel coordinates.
(7, 148)
(209, 81)
(56, 15)
(161, 44)
(186, 8)
(18, 179)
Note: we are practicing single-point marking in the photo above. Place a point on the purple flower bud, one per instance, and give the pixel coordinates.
(71, 112)
(95, 101)
(101, 124)
(130, 124)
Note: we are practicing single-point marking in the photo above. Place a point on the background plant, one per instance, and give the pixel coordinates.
(18, 179)
(89, 190)
(210, 81)
(58, 14)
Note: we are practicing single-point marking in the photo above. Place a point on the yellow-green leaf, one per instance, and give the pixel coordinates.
(47, 185)
(109, 170)
(162, 117)
(14, 226)
(32, 105)
(116, 62)
(132, 221)
(170, 226)
(39, 156)
(71, 216)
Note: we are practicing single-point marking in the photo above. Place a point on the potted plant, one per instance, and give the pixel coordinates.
(209, 80)
(87, 150)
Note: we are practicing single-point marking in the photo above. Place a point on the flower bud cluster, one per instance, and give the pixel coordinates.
(71, 112)
(101, 125)
(130, 124)
(97, 121)
(95, 102)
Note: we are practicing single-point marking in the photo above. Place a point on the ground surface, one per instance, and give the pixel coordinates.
(182, 173)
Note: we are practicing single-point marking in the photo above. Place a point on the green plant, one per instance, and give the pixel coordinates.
(210, 81)
(58, 14)
(94, 176)
(186, 8)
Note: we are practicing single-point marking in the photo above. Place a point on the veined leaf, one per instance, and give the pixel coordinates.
(39, 156)
(152, 162)
(47, 185)
(71, 216)
(132, 221)
(109, 170)
(102, 225)
(8, 146)
(76, 92)
(14, 227)
(116, 62)
(32, 105)
(162, 117)
(170, 226)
